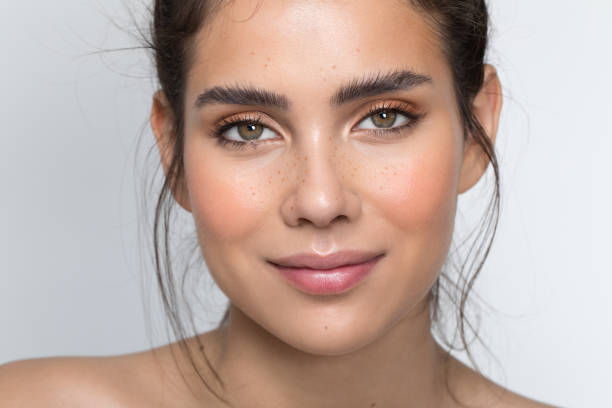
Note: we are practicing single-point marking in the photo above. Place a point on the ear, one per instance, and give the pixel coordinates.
(486, 107)
(162, 124)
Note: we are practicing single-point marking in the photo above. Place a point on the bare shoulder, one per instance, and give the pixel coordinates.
(509, 399)
(130, 380)
(149, 378)
(55, 382)
(475, 390)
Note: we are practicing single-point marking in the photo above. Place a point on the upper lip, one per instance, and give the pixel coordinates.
(314, 261)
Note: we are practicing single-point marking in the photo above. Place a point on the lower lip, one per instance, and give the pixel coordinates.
(328, 281)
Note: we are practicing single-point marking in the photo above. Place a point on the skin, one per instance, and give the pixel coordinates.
(322, 183)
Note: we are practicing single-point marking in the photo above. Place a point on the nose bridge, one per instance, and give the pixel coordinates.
(319, 172)
(320, 195)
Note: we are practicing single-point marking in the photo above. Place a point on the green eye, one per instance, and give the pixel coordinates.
(387, 119)
(384, 119)
(250, 131)
(242, 132)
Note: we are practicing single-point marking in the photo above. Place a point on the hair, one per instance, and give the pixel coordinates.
(462, 29)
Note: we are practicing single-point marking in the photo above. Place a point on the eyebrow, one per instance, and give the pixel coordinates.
(378, 84)
(369, 85)
(241, 95)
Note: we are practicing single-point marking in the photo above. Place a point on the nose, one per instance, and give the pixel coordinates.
(320, 195)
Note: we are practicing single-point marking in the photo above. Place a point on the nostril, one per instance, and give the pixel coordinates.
(337, 219)
(340, 218)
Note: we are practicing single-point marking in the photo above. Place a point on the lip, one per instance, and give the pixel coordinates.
(313, 261)
(327, 275)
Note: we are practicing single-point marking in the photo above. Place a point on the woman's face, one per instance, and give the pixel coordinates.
(323, 173)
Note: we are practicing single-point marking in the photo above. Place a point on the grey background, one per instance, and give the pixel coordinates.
(75, 282)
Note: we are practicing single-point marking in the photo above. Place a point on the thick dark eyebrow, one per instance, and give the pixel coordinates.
(369, 85)
(376, 84)
(242, 95)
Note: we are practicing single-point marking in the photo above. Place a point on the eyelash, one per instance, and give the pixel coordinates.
(404, 109)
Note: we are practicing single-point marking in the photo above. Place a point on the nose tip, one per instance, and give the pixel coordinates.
(320, 197)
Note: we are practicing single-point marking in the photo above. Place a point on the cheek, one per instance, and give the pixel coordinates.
(218, 208)
(416, 195)
(419, 195)
(227, 205)
(429, 194)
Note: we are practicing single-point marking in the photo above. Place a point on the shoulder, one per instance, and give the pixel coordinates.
(55, 382)
(117, 381)
(509, 399)
(150, 379)
(473, 389)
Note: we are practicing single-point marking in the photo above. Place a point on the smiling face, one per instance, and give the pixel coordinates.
(353, 142)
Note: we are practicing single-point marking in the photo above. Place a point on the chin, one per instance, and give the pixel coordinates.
(329, 337)
(330, 344)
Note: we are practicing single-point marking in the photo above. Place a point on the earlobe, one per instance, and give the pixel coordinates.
(162, 124)
(487, 109)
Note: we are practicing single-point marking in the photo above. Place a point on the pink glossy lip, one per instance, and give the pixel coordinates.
(326, 275)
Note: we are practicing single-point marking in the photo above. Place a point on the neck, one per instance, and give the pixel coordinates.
(403, 367)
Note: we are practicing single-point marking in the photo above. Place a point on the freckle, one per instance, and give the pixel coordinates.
(373, 405)
(325, 327)
(294, 164)
(265, 65)
(333, 67)
(305, 158)
(252, 52)
(277, 171)
(303, 180)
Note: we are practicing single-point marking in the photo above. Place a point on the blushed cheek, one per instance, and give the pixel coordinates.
(420, 196)
(225, 209)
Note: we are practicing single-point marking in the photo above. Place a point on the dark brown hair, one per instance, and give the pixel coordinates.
(462, 28)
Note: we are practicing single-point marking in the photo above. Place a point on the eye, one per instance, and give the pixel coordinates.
(241, 132)
(387, 118)
(248, 131)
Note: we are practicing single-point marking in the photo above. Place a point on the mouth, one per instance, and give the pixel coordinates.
(337, 259)
(330, 275)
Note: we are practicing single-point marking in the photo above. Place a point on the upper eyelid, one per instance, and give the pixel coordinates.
(242, 117)
(391, 105)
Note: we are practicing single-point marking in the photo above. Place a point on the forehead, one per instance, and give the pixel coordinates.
(310, 43)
